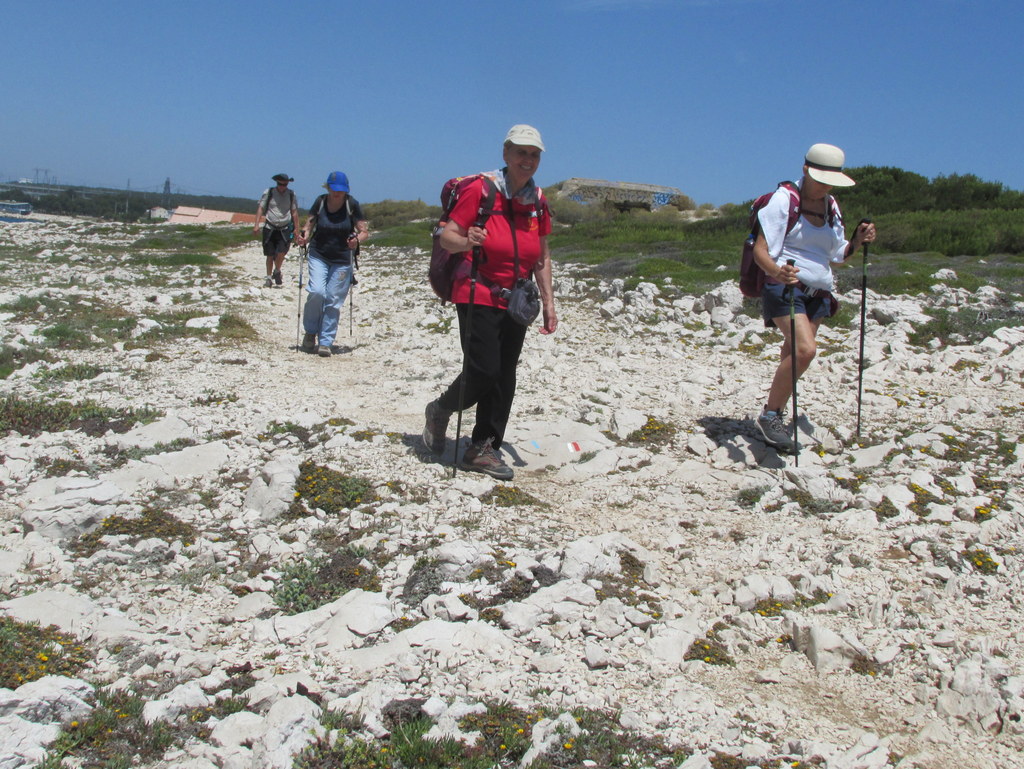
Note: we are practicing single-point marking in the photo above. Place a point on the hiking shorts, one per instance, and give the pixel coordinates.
(275, 241)
(775, 303)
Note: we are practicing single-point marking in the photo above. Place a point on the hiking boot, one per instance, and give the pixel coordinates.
(278, 280)
(774, 431)
(268, 282)
(324, 351)
(309, 342)
(436, 426)
(482, 458)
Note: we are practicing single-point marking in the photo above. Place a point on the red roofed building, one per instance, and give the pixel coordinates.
(190, 215)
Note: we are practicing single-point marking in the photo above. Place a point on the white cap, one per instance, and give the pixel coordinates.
(825, 165)
(525, 136)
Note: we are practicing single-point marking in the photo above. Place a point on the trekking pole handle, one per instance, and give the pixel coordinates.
(865, 220)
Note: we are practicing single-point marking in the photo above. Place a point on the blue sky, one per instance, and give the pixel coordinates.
(720, 98)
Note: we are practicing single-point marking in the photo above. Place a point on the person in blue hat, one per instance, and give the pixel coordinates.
(333, 231)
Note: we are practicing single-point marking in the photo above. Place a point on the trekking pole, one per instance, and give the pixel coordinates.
(792, 361)
(465, 357)
(863, 318)
(298, 312)
(352, 287)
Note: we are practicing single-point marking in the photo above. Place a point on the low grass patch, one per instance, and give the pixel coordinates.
(511, 496)
(981, 561)
(29, 651)
(32, 417)
(122, 456)
(962, 326)
(653, 435)
(73, 372)
(176, 260)
(311, 583)
(113, 736)
(194, 238)
(13, 358)
(84, 323)
(751, 495)
(231, 327)
(152, 523)
(332, 491)
(406, 235)
(506, 733)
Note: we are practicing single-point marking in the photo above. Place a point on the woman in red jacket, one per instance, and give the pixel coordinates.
(517, 227)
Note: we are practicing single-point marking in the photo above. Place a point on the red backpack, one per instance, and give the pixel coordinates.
(442, 262)
(752, 277)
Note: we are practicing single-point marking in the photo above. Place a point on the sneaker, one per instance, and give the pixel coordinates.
(268, 282)
(278, 280)
(482, 458)
(774, 431)
(436, 426)
(324, 351)
(309, 342)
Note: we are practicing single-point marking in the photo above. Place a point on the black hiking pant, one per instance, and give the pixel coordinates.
(491, 356)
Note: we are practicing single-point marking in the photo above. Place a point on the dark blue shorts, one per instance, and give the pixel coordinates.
(775, 303)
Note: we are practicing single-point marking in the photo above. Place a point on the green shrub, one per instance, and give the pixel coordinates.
(389, 213)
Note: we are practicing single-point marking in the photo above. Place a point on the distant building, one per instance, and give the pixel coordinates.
(12, 207)
(190, 215)
(159, 212)
(624, 194)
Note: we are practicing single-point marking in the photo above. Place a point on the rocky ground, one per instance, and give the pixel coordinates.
(652, 558)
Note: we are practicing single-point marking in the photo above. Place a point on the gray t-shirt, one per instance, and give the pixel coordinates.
(278, 209)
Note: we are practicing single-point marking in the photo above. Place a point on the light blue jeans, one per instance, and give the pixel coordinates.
(328, 286)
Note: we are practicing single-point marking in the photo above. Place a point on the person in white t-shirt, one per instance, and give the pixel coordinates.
(280, 220)
(815, 241)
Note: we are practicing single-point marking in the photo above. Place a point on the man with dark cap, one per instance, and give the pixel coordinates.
(280, 216)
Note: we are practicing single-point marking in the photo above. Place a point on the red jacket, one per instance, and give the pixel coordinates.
(498, 254)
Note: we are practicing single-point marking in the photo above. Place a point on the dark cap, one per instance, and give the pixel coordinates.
(282, 178)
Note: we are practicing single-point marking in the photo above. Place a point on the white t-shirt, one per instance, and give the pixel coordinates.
(812, 248)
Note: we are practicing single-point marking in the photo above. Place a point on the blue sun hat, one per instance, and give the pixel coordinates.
(337, 181)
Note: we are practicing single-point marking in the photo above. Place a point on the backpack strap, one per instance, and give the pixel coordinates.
(486, 208)
(314, 214)
(795, 203)
(483, 213)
